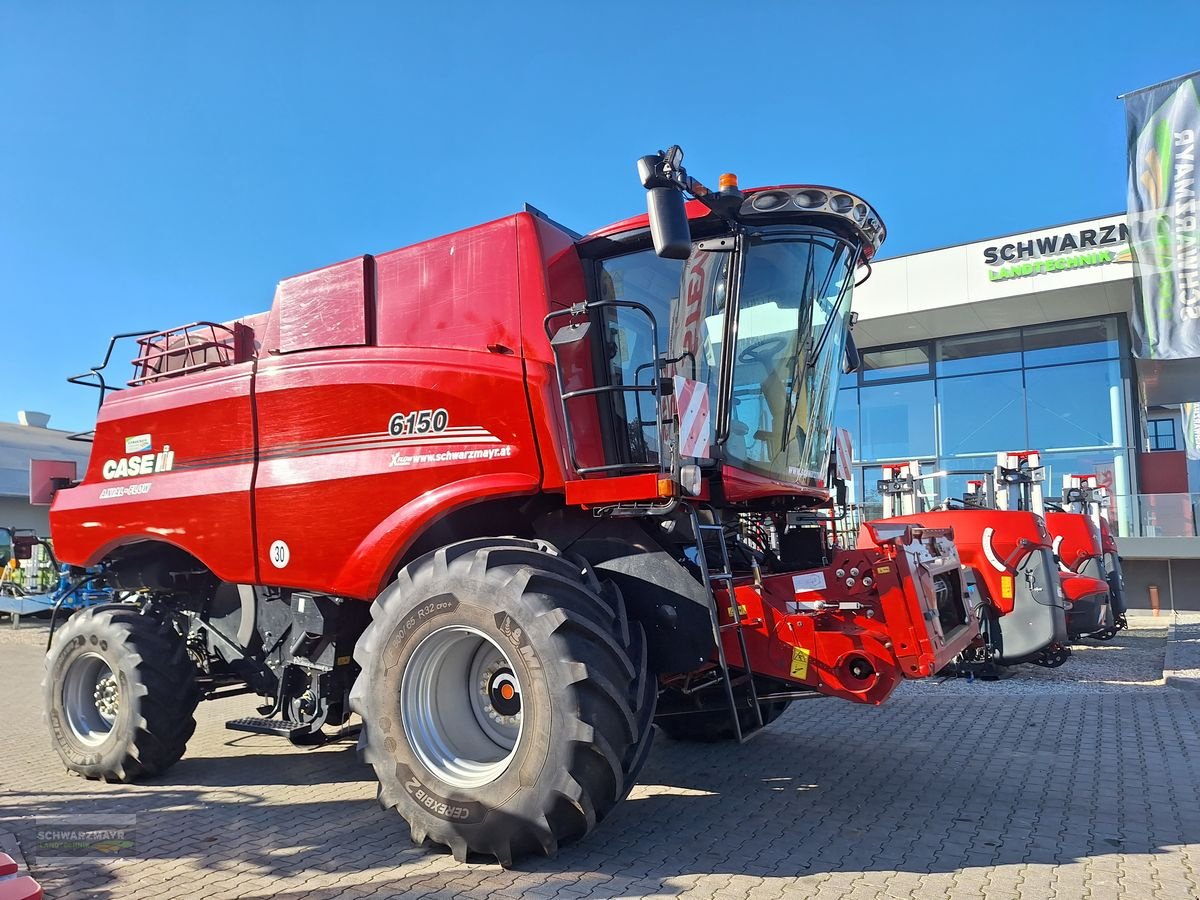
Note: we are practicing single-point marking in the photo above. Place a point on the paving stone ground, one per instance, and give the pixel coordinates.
(951, 791)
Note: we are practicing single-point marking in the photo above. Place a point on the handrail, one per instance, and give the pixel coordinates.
(94, 377)
(188, 342)
(581, 311)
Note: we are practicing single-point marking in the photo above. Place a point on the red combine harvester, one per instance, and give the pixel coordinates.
(1084, 545)
(1021, 607)
(512, 495)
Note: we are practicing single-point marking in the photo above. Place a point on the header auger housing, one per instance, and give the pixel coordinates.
(512, 496)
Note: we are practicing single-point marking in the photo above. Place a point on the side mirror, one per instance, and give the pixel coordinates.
(853, 360)
(666, 207)
(23, 547)
(668, 223)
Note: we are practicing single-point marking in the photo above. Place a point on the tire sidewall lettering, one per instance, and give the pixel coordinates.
(466, 812)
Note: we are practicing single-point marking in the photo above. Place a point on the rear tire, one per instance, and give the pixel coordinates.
(506, 698)
(119, 694)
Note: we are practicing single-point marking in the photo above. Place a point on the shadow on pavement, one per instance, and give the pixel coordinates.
(925, 785)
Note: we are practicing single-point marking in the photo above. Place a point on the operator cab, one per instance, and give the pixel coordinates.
(742, 306)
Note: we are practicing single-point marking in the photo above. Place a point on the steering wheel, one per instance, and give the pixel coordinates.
(762, 351)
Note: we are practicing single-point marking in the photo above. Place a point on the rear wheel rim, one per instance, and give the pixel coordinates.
(91, 697)
(461, 706)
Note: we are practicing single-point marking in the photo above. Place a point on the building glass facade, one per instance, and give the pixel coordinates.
(953, 403)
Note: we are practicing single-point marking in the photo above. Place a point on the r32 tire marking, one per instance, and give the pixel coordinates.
(424, 421)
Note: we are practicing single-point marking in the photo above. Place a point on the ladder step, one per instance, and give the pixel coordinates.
(744, 623)
(259, 725)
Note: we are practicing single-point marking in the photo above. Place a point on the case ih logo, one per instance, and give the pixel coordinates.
(141, 464)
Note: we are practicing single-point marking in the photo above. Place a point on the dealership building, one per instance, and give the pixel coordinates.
(1022, 342)
(30, 437)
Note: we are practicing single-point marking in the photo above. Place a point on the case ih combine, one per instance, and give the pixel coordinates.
(512, 495)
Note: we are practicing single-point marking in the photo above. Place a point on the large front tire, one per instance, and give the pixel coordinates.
(506, 699)
(119, 694)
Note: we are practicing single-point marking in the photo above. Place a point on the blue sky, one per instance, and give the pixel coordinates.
(166, 162)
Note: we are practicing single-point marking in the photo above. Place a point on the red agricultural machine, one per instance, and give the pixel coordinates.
(512, 495)
(1085, 546)
(1040, 564)
(1019, 478)
(1009, 552)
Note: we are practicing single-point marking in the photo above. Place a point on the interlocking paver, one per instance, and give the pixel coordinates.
(954, 791)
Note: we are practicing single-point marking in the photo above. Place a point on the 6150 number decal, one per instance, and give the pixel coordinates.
(424, 421)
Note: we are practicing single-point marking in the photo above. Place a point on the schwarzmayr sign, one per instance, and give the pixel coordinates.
(1058, 252)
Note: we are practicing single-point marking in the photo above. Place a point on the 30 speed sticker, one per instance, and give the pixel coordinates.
(280, 554)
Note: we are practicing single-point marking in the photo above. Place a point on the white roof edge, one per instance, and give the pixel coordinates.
(997, 237)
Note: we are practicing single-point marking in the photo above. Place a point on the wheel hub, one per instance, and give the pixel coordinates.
(108, 697)
(500, 687)
(460, 704)
(91, 698)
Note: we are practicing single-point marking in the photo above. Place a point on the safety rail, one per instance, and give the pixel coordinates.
(94, 377)
(184, 350)
(580, 319)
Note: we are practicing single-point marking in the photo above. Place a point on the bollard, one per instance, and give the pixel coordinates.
(1153, 589)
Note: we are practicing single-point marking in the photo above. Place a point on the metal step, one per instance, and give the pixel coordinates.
(259, 725)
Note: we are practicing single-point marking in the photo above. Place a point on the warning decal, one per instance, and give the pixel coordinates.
(691, 404)
(800, 662)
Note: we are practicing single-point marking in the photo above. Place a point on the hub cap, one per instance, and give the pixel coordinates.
(460, 703)
(91, 698)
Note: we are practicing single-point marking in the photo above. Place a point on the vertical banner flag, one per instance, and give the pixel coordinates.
(1162, 124)
(1191, 429)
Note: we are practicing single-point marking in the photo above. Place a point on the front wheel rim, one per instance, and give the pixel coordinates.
(91, 696)
(461, 705)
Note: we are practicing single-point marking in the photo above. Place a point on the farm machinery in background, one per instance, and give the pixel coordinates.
(513, 495)
(1085, 545)
(33, 583)
(1046, 574)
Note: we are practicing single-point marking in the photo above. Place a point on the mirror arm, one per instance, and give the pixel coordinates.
(729, 340)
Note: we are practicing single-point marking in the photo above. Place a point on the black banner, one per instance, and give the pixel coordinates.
(1162, 128)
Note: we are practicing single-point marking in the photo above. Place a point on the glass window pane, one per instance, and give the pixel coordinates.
(847, 416)
(1071, 342)
(900, 362)
(1075, 406)
(1109, 465)
(870, 501)
(982, 413)
(652, 281)
(988, 352)
(1161, 433)
(896, 420)
(959, 471)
